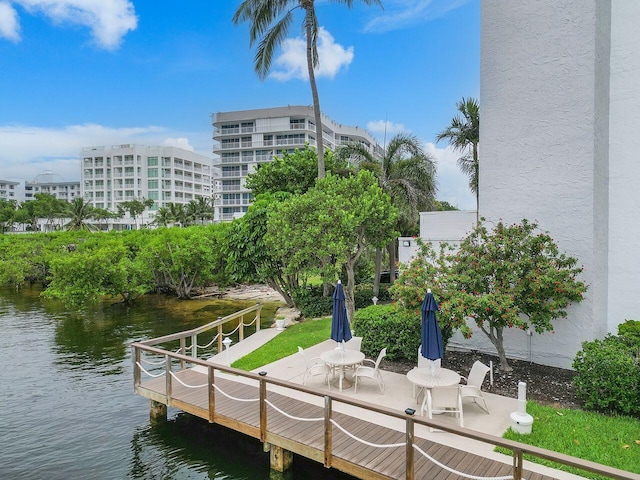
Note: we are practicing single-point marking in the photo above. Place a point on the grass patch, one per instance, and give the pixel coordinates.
(604, 439)
(304, 334)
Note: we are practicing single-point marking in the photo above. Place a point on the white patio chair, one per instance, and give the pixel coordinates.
(314, 366)
(443, 400)
(354, 344)
(371, 372)
(473, 386)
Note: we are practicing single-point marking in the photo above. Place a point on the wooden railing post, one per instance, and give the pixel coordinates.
(135, 355)
(328, 431)
(241, 332)
(258, 318)
(212, 394)
(167, 374)
(194, 345)
(183, 351)
(517, 464)
(219, 337)
(409, 447)
(263, 408)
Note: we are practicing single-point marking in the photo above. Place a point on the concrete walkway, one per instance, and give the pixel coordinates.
(398, 394)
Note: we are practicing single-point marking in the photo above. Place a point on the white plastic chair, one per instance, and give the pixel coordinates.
(473, 387)
(443, 400)
(371, 372)
(314, 366)
(354, 344)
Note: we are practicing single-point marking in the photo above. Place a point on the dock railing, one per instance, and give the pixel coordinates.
(189, 338)
(328, 399)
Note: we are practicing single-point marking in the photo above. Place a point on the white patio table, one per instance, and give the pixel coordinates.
(429, 378)
(340, 357)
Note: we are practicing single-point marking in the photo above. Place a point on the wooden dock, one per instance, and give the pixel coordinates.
(293, 419)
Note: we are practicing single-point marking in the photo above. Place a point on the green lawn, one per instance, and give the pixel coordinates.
(609, 440)
(304, 334)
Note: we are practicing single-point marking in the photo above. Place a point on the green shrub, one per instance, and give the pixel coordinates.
(608, 376)
(312, 304)
(384, 326)
(630, 331)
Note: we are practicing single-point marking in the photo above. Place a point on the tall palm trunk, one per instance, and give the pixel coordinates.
(392, 261)
(316, 101)
(477, 174)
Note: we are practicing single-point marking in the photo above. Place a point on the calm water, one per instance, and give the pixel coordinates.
(67, 408)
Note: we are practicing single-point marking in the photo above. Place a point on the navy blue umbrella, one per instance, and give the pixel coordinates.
(432, 347)
(340, 328)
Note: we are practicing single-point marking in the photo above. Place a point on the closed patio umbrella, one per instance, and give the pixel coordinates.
(432, 346)
(340, 328)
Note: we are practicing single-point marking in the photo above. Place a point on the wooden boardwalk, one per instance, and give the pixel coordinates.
(307, 438)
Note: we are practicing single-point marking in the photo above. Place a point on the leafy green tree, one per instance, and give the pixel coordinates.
(443, 206)
(331, 225)
(408, 175)
(163, 217)
(463, 135)
(27, 215)
(102, 267)
(293, 172)
(511, 277)
(48, 207)
(80, 212)
(135, 207)
(7, 214)
(270, 21)
(182, 259)
(250, 259)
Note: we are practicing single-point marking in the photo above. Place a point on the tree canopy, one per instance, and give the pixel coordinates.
(513, 276)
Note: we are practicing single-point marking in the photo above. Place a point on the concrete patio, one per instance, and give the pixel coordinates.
(398, 394)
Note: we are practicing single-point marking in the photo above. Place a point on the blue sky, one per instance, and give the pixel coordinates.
(79, 73)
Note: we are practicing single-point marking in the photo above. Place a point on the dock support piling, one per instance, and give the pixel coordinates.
(281, 459)
(158, 411)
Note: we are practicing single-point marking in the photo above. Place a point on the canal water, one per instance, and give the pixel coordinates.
(67, 408)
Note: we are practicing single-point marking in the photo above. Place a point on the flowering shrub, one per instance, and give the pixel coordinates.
(511, 277)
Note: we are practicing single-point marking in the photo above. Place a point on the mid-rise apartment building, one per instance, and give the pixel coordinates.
(114, 174)
(52, 184)
(246, 139)
(8, 190)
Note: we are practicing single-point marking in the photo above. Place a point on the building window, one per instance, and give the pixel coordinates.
(152, 161)
(152, 184)
(152, 173)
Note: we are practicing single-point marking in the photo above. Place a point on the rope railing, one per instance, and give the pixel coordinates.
(152, 375)
(300, 419)
(234, 398)
(365, 442)
(233, 331)
(250, 323)
(149, 362)
(185, 384)
(456, 472)
(210, 343)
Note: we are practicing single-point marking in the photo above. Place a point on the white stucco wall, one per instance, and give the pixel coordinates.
(624, 161)
(544, 97)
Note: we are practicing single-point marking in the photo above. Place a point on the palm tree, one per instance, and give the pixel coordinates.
(407, 174)
(464, 136)
(262, 14)
(80, 211)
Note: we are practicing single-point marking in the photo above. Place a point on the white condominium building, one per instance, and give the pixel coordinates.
(245, 139)
(8, 190)
(52, 184)
(120, 173)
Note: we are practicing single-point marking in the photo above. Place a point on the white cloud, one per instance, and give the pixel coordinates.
(109, 21)
(453, 185)
(382, 127)
(178, 142)
(292, 62)
(9, 26)
(28, 151)
(405, 13)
